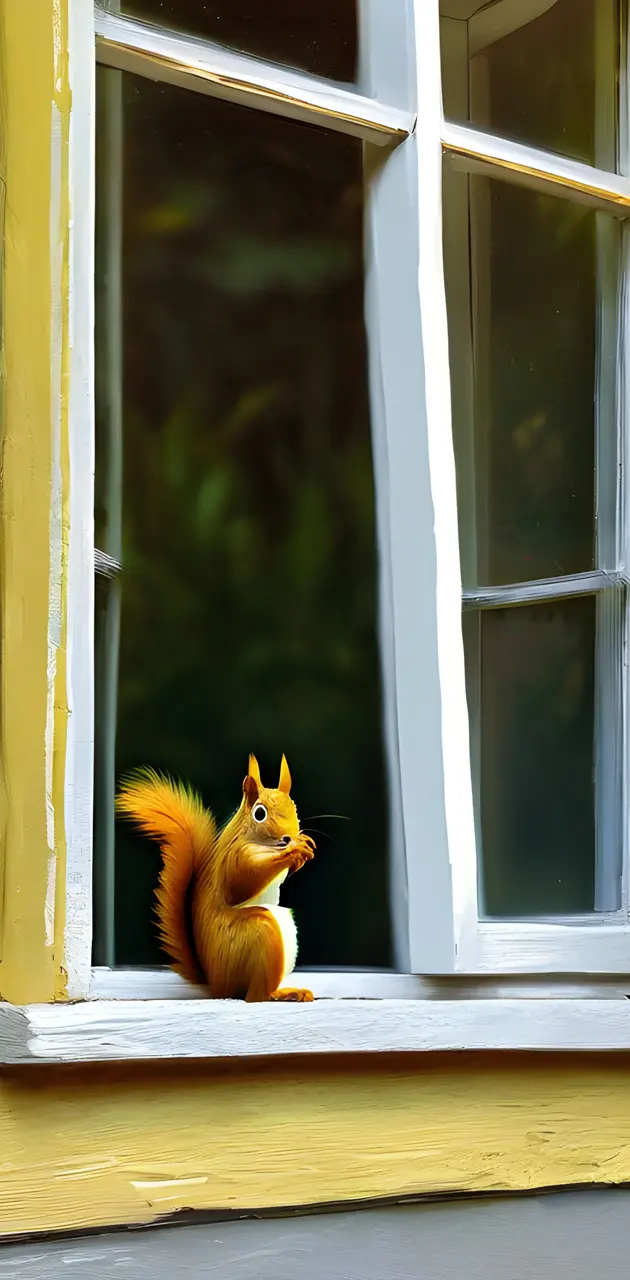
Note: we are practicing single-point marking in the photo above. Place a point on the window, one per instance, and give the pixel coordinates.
(277, 536)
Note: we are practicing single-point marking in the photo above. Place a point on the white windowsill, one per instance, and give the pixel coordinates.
(115, 1030)
(372, 984)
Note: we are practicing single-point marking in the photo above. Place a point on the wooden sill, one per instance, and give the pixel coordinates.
(142, 1030)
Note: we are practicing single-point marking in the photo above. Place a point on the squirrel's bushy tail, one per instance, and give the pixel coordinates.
(185, 831)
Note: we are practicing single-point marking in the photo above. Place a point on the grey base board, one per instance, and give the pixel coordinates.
(581, 1234)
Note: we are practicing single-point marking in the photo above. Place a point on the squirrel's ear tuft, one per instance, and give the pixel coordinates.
(254, 771)
(285, 777)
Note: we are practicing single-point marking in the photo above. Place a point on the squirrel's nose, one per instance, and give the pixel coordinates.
(285, 840)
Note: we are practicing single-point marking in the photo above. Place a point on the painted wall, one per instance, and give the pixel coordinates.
(130, 1144)
(580, 1235)
(133, 1145)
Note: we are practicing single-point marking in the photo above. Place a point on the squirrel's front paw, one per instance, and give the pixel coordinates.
(298, 995)
(301, 850)
(306, 846)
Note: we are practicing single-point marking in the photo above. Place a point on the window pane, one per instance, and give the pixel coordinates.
(543, 73)
(531, 689)
(319, 36)
(525, 375)
(249, 582)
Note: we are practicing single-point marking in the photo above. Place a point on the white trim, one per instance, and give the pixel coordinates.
(164, 984)
(385, 70)
(80, 664)
(114, 1032)
(438, 901)
(593, 945)
(233, 77)
(486, 153)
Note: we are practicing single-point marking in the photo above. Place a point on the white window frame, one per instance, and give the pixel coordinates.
(434, 871)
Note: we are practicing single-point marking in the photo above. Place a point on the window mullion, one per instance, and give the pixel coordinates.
(385, 38)
(430, 677)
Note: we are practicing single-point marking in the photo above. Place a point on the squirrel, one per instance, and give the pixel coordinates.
(218, 894)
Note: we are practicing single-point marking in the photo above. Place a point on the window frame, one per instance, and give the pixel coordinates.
(435, 882)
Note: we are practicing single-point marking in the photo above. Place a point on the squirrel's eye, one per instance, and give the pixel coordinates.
(259, 813)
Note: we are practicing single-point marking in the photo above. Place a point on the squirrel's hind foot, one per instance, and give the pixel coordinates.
(298, 994)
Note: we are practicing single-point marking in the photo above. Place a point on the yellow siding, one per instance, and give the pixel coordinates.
(120, 1145)
(34, 124)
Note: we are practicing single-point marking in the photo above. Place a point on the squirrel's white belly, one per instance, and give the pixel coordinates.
(286, 924)
(270, 899)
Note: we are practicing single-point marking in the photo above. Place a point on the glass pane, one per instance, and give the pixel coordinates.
(531, 689)
(319, 36)
(249, 583)
(525, 377)
(543, 73)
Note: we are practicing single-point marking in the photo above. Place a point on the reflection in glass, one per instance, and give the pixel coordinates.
(319, 36)
(544, 74)
(249, 586)
(524, 416)
(531, 690)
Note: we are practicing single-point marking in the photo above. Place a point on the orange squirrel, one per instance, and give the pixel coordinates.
(217, 900)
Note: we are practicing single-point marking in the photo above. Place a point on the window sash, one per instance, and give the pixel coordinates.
(381, 77)
(597, 941)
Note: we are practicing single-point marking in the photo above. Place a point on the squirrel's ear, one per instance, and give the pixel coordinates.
(285, 777)
(250, 789)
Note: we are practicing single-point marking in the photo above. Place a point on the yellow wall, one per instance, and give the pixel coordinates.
(120, 1145)
(34, 126)
(110, 1146)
